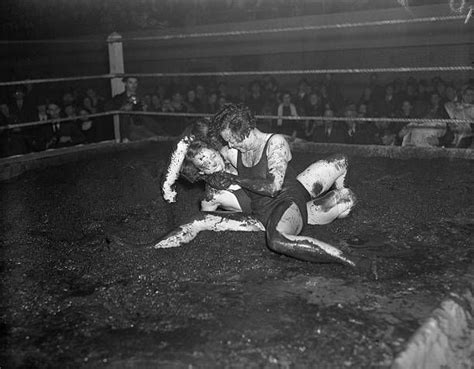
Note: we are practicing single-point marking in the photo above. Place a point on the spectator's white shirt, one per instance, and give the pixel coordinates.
(462, 112)
(424, 134)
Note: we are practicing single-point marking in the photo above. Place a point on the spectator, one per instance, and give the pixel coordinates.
(386, 133)
(178, 106)
(129, 101)
(192, 104)
(146, 101)
(222, 90)
(68, 99)
(317, 130)
(436, 108)
(375, 85)
(270, 90)
(363, 132)
(166, 107)
(201, 97)
(386, 106)
(265, 125)
(212, 106)
(462, 111)
(422, 134)
(286, 109)
(20, 112)
(367, 100)
(411, 91)
(243, 95)
(155, 103)
(398, 89)
(97, 102)
(350, 113)
(333, 91)
(60, 134)
(255, 100)
(87, 126)
(70, 111)
(406, 111)
(87, 104)
(334, 132)
(221, 101)
(314, 109)
(12, 141)
(451, 94)
(326, 101)
(302, 96)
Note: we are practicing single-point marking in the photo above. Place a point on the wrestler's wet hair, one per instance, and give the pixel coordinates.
(202, 130)
(188, 170)
(236, 117)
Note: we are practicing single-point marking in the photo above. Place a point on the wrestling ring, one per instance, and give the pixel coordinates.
(72, 299)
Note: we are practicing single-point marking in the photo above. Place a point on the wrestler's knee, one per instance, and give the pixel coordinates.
(341, 161)
(347, 201)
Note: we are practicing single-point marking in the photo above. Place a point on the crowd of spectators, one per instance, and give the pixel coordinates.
(409, 98)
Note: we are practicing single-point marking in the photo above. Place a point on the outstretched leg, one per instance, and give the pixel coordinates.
(323, 174)
(209, 222)
(282, 237)
(337, 203)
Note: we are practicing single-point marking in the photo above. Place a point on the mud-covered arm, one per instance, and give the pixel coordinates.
(278, 155)
(174, 167)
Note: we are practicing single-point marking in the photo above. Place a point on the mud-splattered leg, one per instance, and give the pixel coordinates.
(208, 222)
(335, 204)
(282, 237)
(323, 174)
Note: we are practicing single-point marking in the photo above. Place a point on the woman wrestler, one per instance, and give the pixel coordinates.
(283, 226)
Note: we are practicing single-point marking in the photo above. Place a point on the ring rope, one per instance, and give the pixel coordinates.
(304, 118)
(58, 79)
(458, 68)
(294, 29)
(246, 32)
(197, 115)
(455, 68)
(58, 120)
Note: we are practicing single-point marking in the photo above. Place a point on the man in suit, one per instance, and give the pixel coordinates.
(61, 134)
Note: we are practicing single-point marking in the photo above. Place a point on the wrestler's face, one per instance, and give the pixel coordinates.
(208, 161)
(234, 141)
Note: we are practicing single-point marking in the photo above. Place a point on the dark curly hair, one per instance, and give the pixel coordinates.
(202, 132)
(236, 117)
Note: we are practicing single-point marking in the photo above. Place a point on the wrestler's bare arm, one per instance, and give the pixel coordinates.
(278, 155)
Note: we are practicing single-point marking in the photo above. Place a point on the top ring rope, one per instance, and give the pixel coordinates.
(455, 68)
(321, 27)
(57, 79)
(246, 32)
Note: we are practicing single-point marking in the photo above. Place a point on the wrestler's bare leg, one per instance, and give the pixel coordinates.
(220, 199)
(209, 222)
(283, 228)
(335, 204)
(323, 174)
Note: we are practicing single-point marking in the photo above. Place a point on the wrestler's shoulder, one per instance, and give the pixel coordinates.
(278, 140)
(228, 153)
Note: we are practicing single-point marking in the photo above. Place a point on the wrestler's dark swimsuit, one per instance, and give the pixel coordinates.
(263, 206)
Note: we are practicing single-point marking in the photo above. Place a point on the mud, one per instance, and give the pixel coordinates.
(72, 299)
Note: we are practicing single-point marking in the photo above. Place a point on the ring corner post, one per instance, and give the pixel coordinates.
(116, 66)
